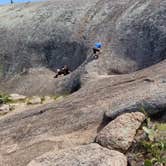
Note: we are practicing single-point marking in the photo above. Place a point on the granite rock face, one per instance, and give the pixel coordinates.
(141, 33)
(51, 34)
(78, 118)
(38, 37)
(40, 34)
(87, 155)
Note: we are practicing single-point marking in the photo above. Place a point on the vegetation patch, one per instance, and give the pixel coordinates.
(149, 148)
(155, 145)
(4, 98)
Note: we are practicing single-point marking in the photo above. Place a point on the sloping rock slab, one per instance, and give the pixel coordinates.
(152, 105)
(88, 155)
(80, 111)
(119, 134)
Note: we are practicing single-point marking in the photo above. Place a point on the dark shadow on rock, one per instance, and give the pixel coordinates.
(160, 116)
(104, 122)
(60, 53)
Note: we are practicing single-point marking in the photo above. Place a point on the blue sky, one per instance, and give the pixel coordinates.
(8, 1)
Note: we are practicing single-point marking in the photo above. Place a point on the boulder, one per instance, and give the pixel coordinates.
(151, 105)
(119, 134)
(16, 97)
(4, 109)
(34, 100)
(92, 154)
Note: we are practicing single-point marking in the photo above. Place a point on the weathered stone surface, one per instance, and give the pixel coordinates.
(37, 81)
(41, 81)
(141, 33)
(42, 34)
(86, 155)
(64, 32)
(152, 105)
(52, 33)
(76, 119)
(119, 134)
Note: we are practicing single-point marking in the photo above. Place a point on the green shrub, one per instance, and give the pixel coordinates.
(4, 99)
(156, 149)
(148, 163)
(155, 145)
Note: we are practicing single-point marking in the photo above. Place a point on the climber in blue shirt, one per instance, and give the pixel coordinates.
(97, 49)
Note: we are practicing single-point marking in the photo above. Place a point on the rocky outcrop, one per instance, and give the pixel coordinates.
(41, 81)
(119, 134)
(42, 36)
(31, 82)
(92, 154)
(140, 34)
(51, 34)
(76, 119)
